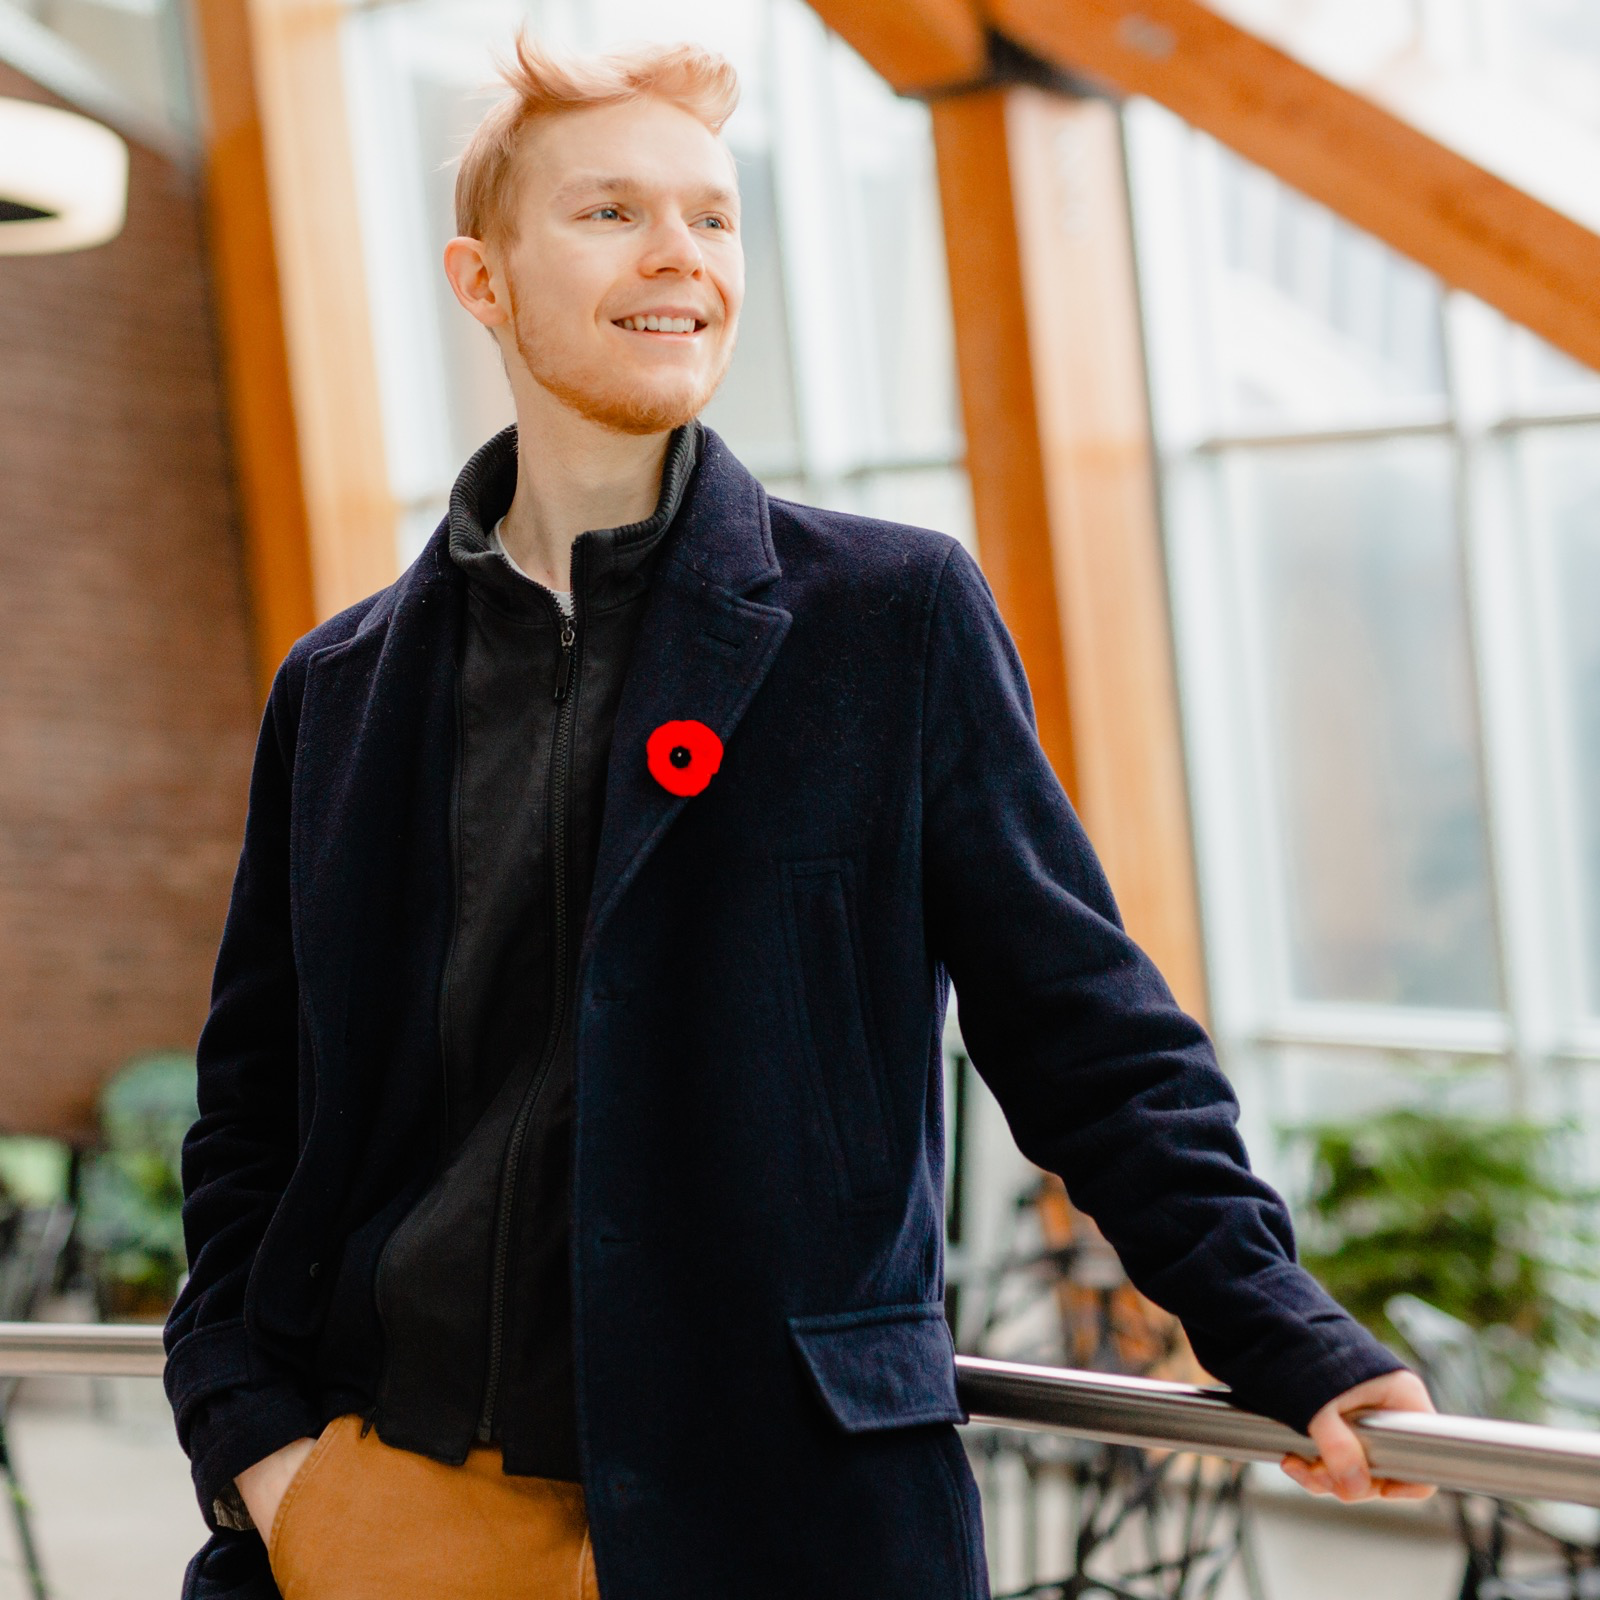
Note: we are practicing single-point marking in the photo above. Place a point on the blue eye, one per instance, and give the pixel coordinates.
(615, 211)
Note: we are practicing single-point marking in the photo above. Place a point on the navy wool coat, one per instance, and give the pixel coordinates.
(766, 1394)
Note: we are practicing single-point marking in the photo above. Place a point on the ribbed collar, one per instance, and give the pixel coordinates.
(610, 565)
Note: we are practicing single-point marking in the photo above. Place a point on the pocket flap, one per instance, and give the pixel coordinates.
(889, 1367)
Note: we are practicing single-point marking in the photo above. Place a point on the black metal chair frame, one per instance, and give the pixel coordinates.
(1190, 1512)
(1450, 1358)
(28, 1266)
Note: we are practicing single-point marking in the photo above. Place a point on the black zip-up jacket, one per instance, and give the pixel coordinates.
(474, 1286)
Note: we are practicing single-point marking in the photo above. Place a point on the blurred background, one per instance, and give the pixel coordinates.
(1252, 347)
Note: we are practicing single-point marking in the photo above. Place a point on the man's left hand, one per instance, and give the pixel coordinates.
(1341, 1466)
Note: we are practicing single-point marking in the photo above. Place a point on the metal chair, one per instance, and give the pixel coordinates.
(32, 1239)
(1142, 1524)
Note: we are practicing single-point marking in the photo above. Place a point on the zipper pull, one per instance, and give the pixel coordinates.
(569, 637)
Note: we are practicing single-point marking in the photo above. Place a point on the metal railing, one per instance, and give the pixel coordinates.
(1511, 1460)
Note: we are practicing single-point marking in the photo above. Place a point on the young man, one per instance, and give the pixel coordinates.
(570, 1148)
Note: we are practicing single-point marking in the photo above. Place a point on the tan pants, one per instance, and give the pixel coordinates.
(362, 1520)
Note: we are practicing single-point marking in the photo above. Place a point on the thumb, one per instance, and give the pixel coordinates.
(1341, 1454)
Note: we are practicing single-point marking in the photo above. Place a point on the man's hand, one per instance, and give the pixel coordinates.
(1341, 1466)
(262, 1486)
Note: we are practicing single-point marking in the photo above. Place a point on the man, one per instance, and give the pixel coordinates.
(565, 1203)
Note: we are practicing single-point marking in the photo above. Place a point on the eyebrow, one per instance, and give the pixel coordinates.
(573, 188)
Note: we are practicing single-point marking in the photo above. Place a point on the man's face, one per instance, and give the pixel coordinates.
(624, 213)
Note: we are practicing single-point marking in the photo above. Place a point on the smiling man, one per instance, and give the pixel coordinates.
(565, 1206)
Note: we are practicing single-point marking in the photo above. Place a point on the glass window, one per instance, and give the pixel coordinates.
(1366, 687)
(1382, 514)
(1561, 471)
(1317, 323)
(1546, 379)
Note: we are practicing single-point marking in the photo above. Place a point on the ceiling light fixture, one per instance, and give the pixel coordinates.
(63, 180)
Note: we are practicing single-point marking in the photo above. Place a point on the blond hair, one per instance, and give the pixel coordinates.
(543, 83)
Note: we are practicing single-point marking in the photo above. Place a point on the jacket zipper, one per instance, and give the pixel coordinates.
(560, 800)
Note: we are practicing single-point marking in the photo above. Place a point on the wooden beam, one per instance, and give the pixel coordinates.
(286, 244)
(1063, 479)
(1476, 231)
(918, 47)
(255, 358)
(994, 359)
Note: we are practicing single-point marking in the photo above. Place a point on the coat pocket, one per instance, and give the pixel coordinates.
(834, 1019)
(889, 1367)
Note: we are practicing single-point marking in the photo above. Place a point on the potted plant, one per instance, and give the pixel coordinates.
(132, 1200)
(1467, 1213)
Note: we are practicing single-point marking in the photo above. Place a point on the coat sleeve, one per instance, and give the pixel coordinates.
(232, 1402)
(1103, 1079)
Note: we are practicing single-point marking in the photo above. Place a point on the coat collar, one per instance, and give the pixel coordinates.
(609, 565)
(724, 534)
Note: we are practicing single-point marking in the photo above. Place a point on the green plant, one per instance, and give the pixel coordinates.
(1468, 1214)
(132, 1192)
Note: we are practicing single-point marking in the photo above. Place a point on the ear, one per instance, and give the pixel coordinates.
(475, 281)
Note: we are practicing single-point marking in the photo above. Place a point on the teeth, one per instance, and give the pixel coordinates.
(659, 324)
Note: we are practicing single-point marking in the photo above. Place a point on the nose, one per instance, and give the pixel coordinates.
(672, 248)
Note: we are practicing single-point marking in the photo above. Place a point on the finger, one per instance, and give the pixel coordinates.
(1391, 1489)
(1312, 1476)
(1342, 1456)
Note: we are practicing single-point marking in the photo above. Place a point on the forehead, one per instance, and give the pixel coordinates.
(648, 143)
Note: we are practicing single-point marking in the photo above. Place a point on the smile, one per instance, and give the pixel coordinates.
(659, 324)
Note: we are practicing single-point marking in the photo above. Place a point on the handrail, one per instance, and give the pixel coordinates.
(81, 1349)
(1471, 1454)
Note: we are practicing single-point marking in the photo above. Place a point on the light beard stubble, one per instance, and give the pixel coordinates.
(621, 409)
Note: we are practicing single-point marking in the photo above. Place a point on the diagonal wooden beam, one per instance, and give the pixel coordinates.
(1475, 230)
(917, 45)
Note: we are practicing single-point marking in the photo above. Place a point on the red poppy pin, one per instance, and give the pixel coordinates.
(683, 756)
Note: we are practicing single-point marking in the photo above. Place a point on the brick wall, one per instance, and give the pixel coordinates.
(127, 707)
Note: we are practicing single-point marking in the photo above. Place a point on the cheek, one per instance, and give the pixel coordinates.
(730, 288)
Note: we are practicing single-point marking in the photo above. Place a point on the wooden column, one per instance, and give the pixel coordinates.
(1063, 478)
(292, 307)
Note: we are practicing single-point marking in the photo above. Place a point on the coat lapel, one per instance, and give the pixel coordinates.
(703, 649)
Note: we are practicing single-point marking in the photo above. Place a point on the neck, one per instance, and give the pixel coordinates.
(573, 475)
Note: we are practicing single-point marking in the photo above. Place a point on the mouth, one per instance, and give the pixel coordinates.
(661, 325)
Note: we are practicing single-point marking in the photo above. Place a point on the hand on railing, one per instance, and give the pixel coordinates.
(1341, 1468)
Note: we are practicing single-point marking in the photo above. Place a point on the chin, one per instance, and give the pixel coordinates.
(637, 408)
(639, 402)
